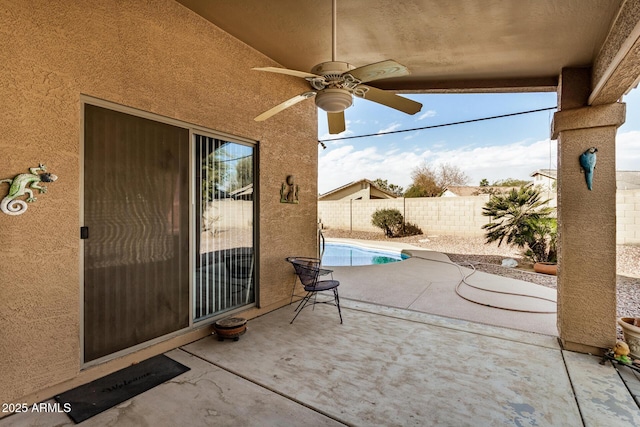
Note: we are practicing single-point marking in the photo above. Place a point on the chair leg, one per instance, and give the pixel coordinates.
(305, 298)
(293, 289)
(298, 309)
(337, 300)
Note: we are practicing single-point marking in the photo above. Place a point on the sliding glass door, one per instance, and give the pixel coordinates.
(135, 231)
(224, 276)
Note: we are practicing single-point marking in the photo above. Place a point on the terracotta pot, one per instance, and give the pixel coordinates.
(546, 268)
(631, 334)
(232, 327)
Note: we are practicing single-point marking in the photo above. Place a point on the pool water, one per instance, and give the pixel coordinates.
(337, 255)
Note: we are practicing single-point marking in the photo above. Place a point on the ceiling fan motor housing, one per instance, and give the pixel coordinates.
(332, 67)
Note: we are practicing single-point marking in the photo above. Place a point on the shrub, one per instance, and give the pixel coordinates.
(389, 220)
(410, 229)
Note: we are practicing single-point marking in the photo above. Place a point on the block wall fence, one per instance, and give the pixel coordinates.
(455, 216)
(628, 217)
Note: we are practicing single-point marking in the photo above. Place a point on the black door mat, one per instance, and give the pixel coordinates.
(106, 392)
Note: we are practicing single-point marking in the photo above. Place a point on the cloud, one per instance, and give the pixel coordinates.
(345, 164)
(426, 114)
(517, 160)
(628, 151)
(390, 128)
(327, 137)
(411, 136)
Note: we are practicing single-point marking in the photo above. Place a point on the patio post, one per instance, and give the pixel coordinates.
(586, 218)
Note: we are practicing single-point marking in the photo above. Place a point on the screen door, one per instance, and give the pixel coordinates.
(135, 230)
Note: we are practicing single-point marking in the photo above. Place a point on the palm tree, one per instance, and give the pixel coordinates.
(522, 219)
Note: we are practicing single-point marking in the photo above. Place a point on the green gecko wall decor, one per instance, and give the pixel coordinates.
(18, 187)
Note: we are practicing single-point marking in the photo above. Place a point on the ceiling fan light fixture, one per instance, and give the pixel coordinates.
(334, 100)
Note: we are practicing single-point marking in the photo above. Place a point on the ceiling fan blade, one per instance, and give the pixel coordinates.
(379, 70)
(295, 73)
(286, 104)
(389, 99)
(336, 122)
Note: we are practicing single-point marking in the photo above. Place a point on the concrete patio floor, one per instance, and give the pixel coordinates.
(390, 363)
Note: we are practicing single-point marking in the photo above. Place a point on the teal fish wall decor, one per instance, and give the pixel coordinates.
(588, 163)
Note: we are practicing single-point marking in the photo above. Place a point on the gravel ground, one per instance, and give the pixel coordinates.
(488, 258)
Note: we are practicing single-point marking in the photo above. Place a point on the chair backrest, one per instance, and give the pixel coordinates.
(303, 260)
(307, 270)
(240, 266)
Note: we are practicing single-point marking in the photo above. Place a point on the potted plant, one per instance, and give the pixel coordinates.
(521, 218)
(542, 245)
(631, 330)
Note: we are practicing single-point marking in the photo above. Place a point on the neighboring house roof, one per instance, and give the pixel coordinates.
(625, 180)
(469, 190)
(461, 191)
(549, 173)
(628, 180)
(351, 190)
(245, 192)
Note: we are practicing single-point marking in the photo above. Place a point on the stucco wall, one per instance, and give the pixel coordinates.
(155, 56)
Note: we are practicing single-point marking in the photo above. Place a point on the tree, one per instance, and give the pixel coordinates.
(391, 188)
(424, 182)
(448, 175)
(416, 191)
(244, 171)
(215, 173)
(432, 181)
(510, 182)
(485, 188)
(522, 219)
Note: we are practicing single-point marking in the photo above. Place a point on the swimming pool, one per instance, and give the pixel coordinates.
(340, 254)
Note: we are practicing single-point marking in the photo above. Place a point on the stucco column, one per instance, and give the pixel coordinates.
(586, 224)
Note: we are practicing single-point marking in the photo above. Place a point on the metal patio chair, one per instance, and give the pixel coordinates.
(308, 270)
(305, 261)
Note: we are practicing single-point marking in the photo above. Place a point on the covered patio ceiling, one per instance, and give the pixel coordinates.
(449, 46)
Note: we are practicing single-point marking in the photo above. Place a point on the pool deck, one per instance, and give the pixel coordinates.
(429, 282)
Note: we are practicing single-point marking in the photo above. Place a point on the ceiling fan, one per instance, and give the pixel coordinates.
(333, 83)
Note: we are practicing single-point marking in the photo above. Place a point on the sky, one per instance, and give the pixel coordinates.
(511, 147)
